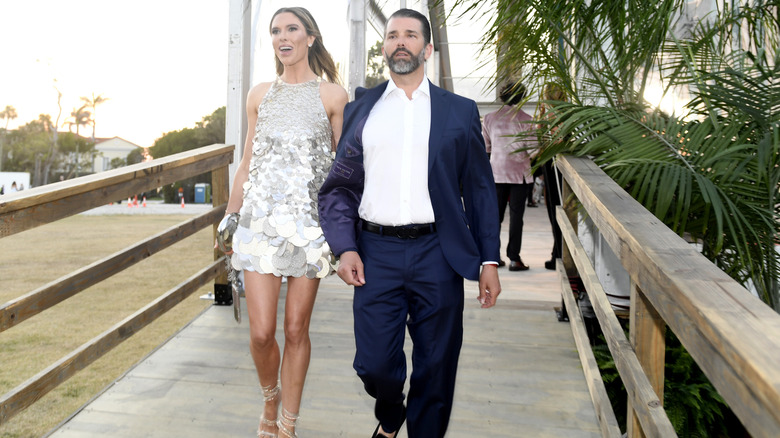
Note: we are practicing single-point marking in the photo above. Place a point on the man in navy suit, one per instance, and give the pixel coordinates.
(409, 207)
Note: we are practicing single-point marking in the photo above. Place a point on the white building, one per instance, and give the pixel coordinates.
(106, 149)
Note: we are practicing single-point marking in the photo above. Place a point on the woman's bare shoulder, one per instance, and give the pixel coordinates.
(334, 93)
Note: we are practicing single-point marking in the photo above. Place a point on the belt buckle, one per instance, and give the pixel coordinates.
(412, 233)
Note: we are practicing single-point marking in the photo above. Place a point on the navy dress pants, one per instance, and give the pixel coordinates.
(410, 285)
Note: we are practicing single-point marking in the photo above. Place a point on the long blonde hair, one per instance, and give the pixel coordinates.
(320, 60)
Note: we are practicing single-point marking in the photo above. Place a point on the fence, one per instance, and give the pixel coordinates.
(30, 208)
(732, 335)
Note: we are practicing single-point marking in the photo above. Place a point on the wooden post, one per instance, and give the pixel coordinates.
(357, 48)
(239, 57)
(647, 335)
(220, 192)
(570, 204)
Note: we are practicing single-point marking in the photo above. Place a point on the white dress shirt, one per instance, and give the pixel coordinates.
(395, 157)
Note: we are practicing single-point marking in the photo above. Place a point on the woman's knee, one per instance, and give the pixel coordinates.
(263, 338)
(296, 331)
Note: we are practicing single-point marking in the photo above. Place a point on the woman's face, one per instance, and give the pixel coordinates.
(290, 41)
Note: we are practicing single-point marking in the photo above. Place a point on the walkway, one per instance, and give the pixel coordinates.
(519, 374)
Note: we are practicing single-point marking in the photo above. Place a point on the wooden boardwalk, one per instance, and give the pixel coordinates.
(519, 374)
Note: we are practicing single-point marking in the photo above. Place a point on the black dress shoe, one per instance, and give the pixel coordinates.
(550, 264)
(394, 434)
(501, 263)
(517, 266)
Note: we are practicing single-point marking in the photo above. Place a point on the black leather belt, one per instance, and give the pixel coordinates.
(402, 232)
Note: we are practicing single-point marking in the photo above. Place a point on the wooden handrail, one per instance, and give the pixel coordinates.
(38, 206)
(30, 208)
(732, 335)
(57, 291)
(39, 385)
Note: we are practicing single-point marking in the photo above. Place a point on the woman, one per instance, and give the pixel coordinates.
(551, 176)
(297, 120)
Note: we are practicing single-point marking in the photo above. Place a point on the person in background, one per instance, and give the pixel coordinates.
(392, 209)
(296, 121)
(552, 178)
(510, 139)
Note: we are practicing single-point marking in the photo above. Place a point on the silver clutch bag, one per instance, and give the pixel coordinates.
(225, 230)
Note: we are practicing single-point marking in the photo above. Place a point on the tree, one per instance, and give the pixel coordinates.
(210, 130)
(711, 171)
(118, 162)
(135, 156)
(79, 117)
(375, 67)
(9, 113)
(93, 103)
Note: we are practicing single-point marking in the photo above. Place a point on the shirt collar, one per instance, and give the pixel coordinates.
(424, 88)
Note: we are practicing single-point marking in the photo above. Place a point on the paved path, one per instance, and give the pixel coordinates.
(519, 374)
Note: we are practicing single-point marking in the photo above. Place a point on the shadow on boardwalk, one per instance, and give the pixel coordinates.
(519, 373)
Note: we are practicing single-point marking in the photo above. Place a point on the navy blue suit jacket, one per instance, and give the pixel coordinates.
(467, 225)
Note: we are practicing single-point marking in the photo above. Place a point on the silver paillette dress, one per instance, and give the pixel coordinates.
(279, 230)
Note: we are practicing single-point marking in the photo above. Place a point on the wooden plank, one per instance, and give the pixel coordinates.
(41, 205)
(647, 335)
(732, 335)
(39, 385)
(598, 393)
(641, 396)
(518, 375)
(57, 291)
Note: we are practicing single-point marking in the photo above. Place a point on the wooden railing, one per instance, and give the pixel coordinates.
(732, 335)
(25, 210)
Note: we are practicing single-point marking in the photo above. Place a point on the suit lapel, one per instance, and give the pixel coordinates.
(439, 113)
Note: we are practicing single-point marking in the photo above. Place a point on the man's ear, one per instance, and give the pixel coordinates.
(428, 51)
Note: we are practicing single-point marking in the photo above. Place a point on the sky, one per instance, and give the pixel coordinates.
(162, 64)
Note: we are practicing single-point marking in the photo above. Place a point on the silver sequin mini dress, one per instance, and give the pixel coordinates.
(279, 230)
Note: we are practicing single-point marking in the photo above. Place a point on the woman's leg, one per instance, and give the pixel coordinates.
(262, 297)
(301, 292)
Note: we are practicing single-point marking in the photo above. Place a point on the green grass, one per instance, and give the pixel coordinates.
(33, 258)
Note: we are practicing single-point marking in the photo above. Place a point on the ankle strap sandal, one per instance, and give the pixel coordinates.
(286, 422)
(270, 393)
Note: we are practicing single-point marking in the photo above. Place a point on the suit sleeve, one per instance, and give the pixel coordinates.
(342, 191)
(479, 193)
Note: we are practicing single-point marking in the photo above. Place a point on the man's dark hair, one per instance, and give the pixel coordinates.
(512, 93)
(411, 13)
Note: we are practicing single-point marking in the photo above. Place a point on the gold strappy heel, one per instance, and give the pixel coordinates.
(269, 394)
(286, 422)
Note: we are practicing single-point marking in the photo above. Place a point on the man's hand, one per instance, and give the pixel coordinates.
(489, 286)
(351, 269)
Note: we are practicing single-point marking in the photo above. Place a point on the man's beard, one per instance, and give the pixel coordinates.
(405, 66)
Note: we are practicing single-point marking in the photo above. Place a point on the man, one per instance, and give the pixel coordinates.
(508, 137)
(391, 209)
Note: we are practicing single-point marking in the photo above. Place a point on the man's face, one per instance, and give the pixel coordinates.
(404, 47)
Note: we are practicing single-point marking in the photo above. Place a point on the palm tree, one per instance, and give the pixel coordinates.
(9, 113)
(79, 117)
(711, 169)
(93, 103)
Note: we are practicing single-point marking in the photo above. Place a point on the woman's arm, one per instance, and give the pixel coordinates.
(254, 98)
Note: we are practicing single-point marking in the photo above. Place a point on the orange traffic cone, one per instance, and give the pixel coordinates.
(144, 203)
(182, 202)
(135, 201)
(129, 203)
